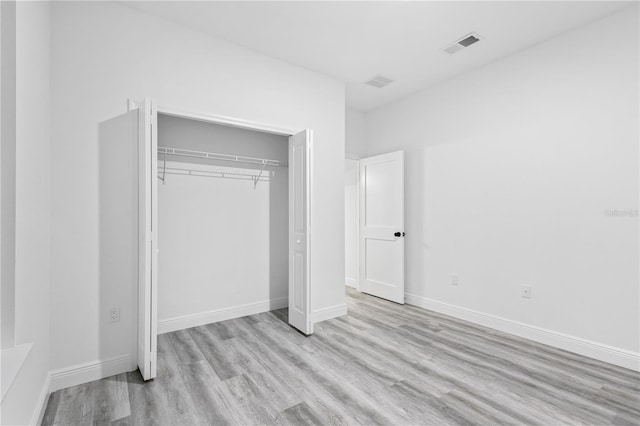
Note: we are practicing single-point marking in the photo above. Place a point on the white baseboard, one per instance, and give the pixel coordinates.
(329, 313)
(41, 403)
(89, 371)
(589, 348)
(188, 321)
(351, 282)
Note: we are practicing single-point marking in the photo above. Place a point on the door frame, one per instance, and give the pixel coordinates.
(233, 122)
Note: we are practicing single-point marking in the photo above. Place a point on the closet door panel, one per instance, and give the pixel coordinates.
(299, 232)
(148, 240)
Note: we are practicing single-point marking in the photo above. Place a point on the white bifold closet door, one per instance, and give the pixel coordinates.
(128, 221)
(148, 239)
(299, 231)
(382, 226)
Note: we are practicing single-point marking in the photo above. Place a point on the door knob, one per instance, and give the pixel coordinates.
(298, 241)
(399, 234)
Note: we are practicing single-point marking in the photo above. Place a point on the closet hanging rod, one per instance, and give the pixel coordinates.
(216, 156)
(227, 175)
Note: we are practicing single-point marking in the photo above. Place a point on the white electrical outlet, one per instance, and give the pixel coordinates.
(526, 291)
(454, 279)
(114, 314)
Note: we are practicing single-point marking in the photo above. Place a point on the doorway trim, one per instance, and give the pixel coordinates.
(221, 119)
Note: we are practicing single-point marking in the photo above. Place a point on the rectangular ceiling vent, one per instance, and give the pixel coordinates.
(379, 81)
(463, 43)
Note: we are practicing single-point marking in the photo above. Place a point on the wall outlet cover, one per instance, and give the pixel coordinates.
(114, 314)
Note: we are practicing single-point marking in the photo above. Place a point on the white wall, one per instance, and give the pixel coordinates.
(104, 53)
(223, 243)
(8, 169)
(351, 221)
(23, 401)
(355, 145)
(510, 170)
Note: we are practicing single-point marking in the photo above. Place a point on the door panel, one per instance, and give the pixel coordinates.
(381, 199)
(382, 216)
(147, 244)
(299, 231)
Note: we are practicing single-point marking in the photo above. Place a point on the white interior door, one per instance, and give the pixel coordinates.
(382, 226)
(148, 239)
(299, 231)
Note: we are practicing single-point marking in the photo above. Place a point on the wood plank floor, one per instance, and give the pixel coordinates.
(382, 364)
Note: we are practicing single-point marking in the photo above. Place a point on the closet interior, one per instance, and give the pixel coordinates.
(222, 222)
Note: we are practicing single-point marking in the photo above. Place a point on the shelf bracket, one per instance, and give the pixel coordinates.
(257, 178)
(164, 168)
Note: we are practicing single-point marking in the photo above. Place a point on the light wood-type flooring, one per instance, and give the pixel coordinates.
(383, 363)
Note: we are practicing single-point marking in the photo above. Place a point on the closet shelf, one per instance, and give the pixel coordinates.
(164, 151)
(166, 166)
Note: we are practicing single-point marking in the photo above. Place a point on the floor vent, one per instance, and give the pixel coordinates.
(463, 43)
(379, 81)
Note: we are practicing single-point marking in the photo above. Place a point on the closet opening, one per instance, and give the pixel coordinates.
(223, 221)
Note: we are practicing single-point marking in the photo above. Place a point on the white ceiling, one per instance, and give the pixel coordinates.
(356, 40)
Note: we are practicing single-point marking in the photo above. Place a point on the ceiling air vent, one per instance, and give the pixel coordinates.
(464, 42)
(379, 81)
